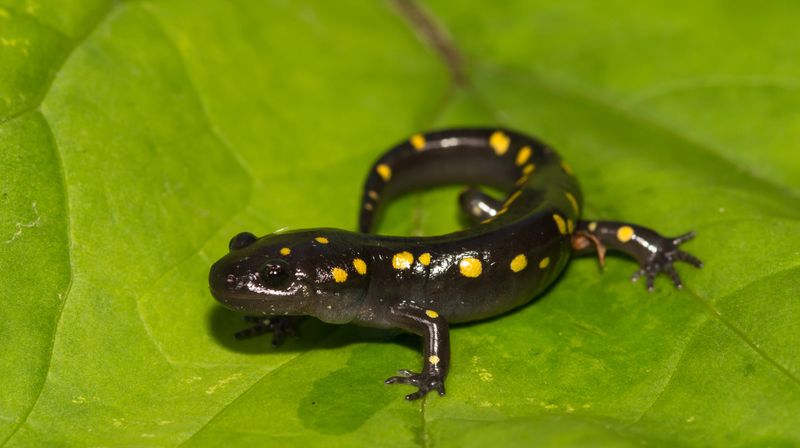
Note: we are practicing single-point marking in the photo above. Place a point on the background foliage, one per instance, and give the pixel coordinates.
(137, 137)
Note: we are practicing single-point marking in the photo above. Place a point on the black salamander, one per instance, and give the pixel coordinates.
(516, 248)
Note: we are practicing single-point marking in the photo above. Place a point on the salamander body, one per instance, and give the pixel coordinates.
(517, 248)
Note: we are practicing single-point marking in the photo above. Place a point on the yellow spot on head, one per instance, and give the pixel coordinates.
(470, 267)
(418, 141)
(572, 201)
(373, 195)
(565, 166)
(528, 168)
(339, 274)
(593, 226)
(286, 251)
(523, 155)
(544, 263)
(625, 233)
(321, 239)
(384, 171)
(425, 259)
(519, 263)
(570, 225)
(432, 314)
(499, 141)
(402, 260)
(360, 266)
(512, 198)
(433, 359)
(562, 226)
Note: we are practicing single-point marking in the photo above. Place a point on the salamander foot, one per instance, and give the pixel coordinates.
(426, 382)
(666, 253)
(279, 326)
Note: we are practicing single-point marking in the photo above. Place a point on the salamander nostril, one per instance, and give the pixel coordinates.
(241, 240)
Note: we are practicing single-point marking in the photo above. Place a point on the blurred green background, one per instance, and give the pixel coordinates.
(136, 137)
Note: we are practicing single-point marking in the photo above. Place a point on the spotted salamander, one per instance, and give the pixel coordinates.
(517, 247)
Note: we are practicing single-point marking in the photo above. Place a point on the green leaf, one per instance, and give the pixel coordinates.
(137, 137)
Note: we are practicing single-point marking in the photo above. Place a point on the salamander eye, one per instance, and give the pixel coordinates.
(241, 240)
(275, 272)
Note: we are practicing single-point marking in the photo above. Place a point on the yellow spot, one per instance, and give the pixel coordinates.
(339, 274)
(521, 181)
(592, 226)
(523, 155)
(572, 201)
(625, 233)
(373, 195)
(499, 141)
(360, 266)
(384, 171)
(528, 168)
(565, 166)
(570, 225)
(562, 226)
(286, 251)
(425, 259)
(432, 314)
(512, 198)
(368, 206)
(321, 239)
(402, 260)
(470, 267)
(519, 263)
(544, 263)
(433, 359)
(418, 141)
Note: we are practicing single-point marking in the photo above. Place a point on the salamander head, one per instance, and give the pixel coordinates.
(312, 272)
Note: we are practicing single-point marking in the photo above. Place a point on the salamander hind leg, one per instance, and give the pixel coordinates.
(436, 352)
(654, 252)
(478, 205)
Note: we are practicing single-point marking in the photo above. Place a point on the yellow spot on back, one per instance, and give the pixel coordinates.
(433, 359)
(625, 233)
(470, 267)
(321, 239)
(432, 314)
(425, 259)
(562, 226)
(368, 206)
(339, 274)
(512, 198)
(593, 226)
(402, 260)
(528, 168)
(523, 155)
(570, 225)
(572, 201)
(360, 265)
(418, 141)
(565, 166)
(384, 171)
(373, 195)
(521, 181)
(544, 263)
(499, 141)
(519, 263)
(286, 251)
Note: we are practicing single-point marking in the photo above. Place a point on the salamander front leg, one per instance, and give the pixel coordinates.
(655, 253)
(436, 352)
(279, 326)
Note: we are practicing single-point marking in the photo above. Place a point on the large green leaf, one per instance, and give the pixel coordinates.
(137, 137)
